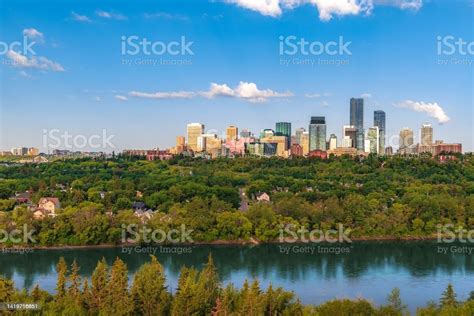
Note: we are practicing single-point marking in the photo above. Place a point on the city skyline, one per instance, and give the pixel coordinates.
(236, 76)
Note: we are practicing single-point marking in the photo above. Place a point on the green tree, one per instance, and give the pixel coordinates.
(149, 290)
(118, 300)
(449, 297)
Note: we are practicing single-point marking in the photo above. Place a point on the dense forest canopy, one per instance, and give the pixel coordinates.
(375, 196)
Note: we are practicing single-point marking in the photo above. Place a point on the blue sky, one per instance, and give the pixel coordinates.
(78, 81)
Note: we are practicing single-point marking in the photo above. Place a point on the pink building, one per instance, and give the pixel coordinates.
(237, 147)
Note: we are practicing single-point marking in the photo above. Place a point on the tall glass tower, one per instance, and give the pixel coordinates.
(379, 121)
(357, 120)
(284, 129)
(317, 133)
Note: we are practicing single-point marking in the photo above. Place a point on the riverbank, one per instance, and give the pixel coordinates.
(249, 242)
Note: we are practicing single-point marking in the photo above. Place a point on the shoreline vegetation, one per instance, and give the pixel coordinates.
(87, 202)
(199, 292)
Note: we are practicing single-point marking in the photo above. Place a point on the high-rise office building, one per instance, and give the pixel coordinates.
(349, 136)
(357, 120)
(426, 135)
(267, 132)
(317, 133)
(406, 138)
(231, 133)
(284, 129)
(373, 137)
(180, 144)
(245, 133)
(332, 142)
(304, 142)
(379, 121)
(194, 130)
(298, 133)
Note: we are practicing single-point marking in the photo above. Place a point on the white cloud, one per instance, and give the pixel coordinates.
(110, 15)
(244, 90)
(80, 18)
(402, 4)
(42, 63)
(265, 7)
(433, 110)
(327, 8)
(162, 95)
(366, 95)
(33, 34)
(121, 97)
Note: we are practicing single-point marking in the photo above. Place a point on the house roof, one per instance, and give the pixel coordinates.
(49, 199)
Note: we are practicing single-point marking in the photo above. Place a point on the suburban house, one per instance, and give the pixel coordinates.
(47, 206)
(263, 197)
(22, 197)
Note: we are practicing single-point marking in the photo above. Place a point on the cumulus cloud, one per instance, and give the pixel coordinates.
(42, 63)
(433, 109)
(265, 7)
(244, 90)
(80, 18)
(366, 95)
(327, 8)
(33, 34)
(110, 15)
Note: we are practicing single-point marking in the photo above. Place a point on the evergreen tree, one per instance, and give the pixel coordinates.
(449, 297)
(149, 290)
(208, 287)
(7, 290)
(74, 290)
(61, 270)
(99, 279)
(118, 300)
(186, 301)
(395, 301)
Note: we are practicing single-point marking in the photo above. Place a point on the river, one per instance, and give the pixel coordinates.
(316, 273)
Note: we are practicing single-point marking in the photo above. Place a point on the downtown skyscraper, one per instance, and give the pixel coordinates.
(284, 129)
(357, 120)
(317, 133)
(379, 121)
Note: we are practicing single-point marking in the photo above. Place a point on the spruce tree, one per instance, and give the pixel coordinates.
(99, 280)
(449, 297)
(208, 287)
(61, 270)
(118, 300)
(149, 290)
